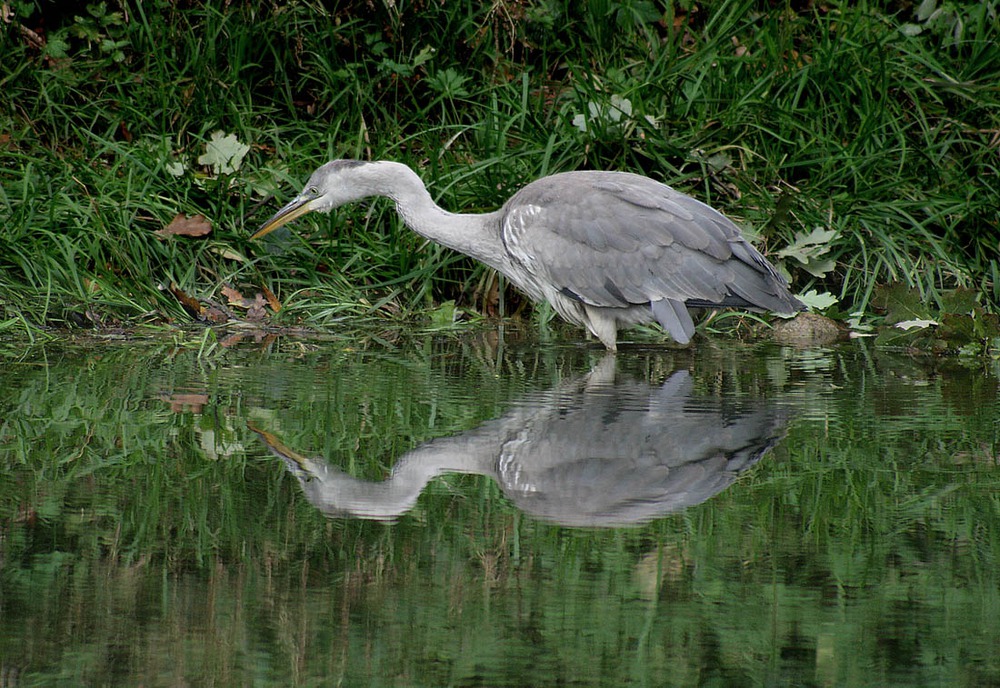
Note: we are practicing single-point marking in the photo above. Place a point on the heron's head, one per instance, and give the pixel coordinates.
(331, 186)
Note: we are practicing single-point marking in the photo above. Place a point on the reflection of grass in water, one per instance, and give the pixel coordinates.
(867, 541)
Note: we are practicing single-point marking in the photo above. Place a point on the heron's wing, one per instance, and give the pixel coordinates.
(615, 239)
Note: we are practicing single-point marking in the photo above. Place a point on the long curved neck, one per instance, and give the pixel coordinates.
(474, 235)
(336, 493)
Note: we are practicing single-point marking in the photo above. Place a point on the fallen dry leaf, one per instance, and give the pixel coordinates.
(257, 312)
(182, 225)
(255, 307)
(234, 297)
(229, 254)
(191, 304)
(215, 315)
(272, 300)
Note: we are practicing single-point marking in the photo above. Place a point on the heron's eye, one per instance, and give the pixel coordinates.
(313, 191)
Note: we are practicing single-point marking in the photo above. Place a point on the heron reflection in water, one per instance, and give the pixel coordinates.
(606, 249)
(592, 452)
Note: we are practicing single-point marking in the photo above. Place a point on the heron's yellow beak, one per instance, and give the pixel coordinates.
(296, 208)
(275, 445)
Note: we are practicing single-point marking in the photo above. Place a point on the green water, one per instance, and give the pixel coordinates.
(449, 514)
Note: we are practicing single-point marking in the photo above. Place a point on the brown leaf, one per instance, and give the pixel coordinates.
(272, 300)
(182, 225)
(234, 297)
(257, 312)
(215, 315)
(191, 304)
(255, 307)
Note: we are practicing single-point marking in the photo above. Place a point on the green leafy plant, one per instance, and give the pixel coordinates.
(953, 22)
(101, 30)
(810, 252)
(448, 82)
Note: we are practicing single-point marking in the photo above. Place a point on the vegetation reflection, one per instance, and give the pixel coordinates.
(147, 537)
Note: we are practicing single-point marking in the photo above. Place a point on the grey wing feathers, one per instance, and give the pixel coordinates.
(617, 239)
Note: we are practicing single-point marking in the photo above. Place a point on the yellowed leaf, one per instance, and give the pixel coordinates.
(234, 297)
(182, 225)
(272, 300)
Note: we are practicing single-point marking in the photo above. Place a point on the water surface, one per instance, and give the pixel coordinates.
(451, 513)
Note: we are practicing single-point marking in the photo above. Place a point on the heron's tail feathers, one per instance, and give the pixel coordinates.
(673, 316)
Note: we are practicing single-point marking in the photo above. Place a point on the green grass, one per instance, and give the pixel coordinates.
(857, 118)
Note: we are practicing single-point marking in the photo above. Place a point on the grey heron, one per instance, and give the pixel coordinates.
(606, 249)
(592, 451)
